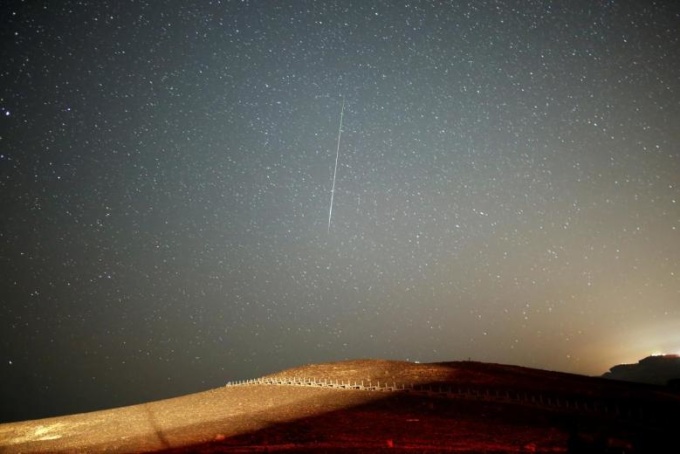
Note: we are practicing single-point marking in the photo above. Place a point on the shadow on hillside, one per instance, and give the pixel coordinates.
(461, 407)
(635, 421)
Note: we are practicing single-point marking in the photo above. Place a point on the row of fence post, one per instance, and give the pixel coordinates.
(451, 391)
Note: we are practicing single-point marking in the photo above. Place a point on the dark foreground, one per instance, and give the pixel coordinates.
(376, 406)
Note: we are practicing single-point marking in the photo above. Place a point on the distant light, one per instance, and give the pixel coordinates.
(665, 354)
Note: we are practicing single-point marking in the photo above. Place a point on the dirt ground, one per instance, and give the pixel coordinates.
(266, 418)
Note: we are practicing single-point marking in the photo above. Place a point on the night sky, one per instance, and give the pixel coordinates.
(507, 189)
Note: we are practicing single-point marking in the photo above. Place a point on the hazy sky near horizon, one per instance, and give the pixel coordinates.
(507, 190)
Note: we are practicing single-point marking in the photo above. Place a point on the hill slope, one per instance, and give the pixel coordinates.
(372, 405)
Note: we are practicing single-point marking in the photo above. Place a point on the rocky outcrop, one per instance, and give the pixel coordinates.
(655, 370)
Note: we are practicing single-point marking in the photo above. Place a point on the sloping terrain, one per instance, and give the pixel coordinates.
(370, 405)
(656, 370)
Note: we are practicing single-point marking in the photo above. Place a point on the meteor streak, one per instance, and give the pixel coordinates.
(335, 170)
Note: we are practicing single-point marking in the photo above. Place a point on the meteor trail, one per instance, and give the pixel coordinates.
(335, 170)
